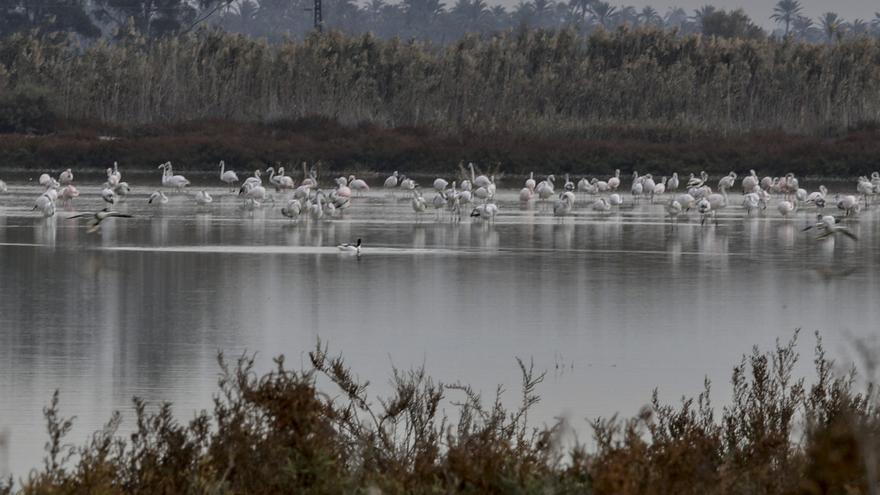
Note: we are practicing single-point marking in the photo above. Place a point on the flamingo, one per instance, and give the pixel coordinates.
(568, 185)
(440, 184)
(637, 187)
(407, 184)
(705, 208)
(672, 185)
(122, 189)
(279, 180)
(253, 195)
(659, 189)
(480, 180)
(66, 177)
(178, 182)
(158, 198)
(818, 197)
(68, 193)
(526, 194)
(719, 200)
(750, 182)
(648, 185)
(46, 204)
(615, 199)
(848, 203)
(728, 181)
(601, 204)
(391, 181)
(109, 196)
(96, 218)
(787, 208)
(530, 182)
(562, 206)
(253, 181)
(752, 201)
(3, 187)
(419, 205)
(485, 212)
(316, 208)
(203, 198)
(545, 188)
(342, 189)
(46, 180)
(614, 182)
(865, 187)
(674, 209)
(229, 177)
(293, 209)
(829, 225)
(350, 248)
(358, 185)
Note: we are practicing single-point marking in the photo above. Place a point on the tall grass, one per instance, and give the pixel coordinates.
(556, 83)
(281, 433)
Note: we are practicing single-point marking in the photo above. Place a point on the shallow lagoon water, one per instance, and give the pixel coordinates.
(610, 305)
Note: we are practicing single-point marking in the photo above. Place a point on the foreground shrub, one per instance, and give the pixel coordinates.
(280, 433)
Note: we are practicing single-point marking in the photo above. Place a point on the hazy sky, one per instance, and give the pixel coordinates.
(758, 10)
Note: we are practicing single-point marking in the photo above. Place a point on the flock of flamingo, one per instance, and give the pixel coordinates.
(477, 194)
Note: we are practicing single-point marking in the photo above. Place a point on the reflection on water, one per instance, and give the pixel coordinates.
(612, 304)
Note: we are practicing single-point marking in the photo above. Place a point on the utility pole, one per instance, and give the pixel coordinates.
(319, 20)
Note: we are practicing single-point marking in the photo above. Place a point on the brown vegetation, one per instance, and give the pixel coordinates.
(279, 433)
(201, 145)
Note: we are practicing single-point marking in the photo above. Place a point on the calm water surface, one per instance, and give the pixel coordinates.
(610, 305)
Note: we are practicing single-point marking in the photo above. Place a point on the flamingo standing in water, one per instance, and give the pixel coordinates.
(177, 182)
(45, 204)
(229, 177)
(66, 177)
(158, 198)
(357, 185)
(614, 182)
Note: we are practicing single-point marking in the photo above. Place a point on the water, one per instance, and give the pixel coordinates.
(610, 305)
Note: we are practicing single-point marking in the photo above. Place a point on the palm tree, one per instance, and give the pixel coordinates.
(786, 11)
(858, 26)
(649, 16)
(803, 26)
(701, 13)
(830, 25)
(675, 17)
(627, 15)
(580, 7)
(602, 12)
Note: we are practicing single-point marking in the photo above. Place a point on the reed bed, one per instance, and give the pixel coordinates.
(282, 432)
(660, 85)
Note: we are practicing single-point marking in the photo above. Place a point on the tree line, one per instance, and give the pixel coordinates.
(430, 20)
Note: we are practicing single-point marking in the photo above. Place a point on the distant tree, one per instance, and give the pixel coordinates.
(805, 28)
(650, 17)
(675, 18)
(627, 15)
(154, 18)
(701, 13)
(785, 12)
(580, 8)
(857, 27)
(831, 24)
(46, 16)
(471, 15)
(735, 24)
(603, 13)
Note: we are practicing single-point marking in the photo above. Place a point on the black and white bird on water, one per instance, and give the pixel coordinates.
(96, 218)
(350, 248)
(828, 226)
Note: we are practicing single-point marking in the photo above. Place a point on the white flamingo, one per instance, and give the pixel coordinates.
(46, 205)
(66, 177)
(613, 182)
(750, 182)
(229, 177)
(177, 182)
(357, 185)
(293, 209)
(672, 185)
(158, 198)
(601, 204)
(818, 197)
(203, 198)
(485, 212)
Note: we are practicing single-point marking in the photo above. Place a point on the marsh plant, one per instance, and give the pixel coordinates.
(528, 81)
(280, 432)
